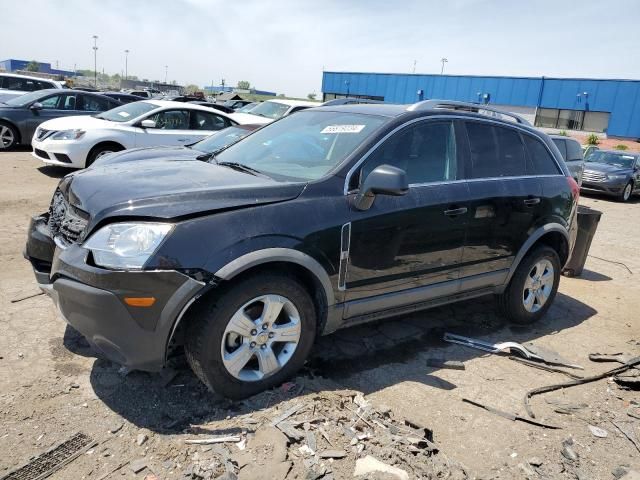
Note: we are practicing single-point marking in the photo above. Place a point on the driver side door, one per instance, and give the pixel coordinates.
(172, 128)
(408, 249)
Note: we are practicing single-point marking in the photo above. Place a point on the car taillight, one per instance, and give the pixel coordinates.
(575, 188)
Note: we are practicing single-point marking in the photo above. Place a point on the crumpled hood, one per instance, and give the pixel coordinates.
(148, 153)
(84, 122)
(166, 189)
(605, 168)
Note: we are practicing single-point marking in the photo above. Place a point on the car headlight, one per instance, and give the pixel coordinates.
(616, 177)
(68, 134)
(126, 246)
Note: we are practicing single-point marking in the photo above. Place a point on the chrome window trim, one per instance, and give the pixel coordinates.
(483, 179)
(347, 179)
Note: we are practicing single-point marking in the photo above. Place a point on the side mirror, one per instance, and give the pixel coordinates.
(35, 106)
(148, 124)
(383, 180)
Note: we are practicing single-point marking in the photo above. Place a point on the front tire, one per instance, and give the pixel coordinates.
(253, 336)
(533, 287)
(101, 150)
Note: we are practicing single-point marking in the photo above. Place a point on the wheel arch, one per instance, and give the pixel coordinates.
(554, 235)
(103, 143)
(15, 128)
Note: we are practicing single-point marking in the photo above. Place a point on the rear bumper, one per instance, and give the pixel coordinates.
(91, 300)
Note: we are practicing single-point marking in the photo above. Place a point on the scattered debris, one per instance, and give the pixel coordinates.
(548, 368)
(613, 262)
(567, 450)
(116, 427)
(212, 440)
(564, 407)
(509, 416)
(535, 461)
(610, 357)
(368, 465)
(286, 414)
(598, 432)
(439, 362)
(550, 388)
(333, 454)
(16, 300)
(138, 465)
(141, 438)
(510, 347)
(626, 428)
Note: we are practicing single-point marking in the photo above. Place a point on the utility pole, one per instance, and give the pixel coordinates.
(166, 70)
(95, 60)
(222, 83)
(443, 61)
(126, 64)
(414, 66)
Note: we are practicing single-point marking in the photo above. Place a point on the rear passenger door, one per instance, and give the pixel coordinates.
(505, 199)
(172, 128)
(204, 124)
(415, 240)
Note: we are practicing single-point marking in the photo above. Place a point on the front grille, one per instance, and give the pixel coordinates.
(41, 153)
(590, 176)
(66, 222)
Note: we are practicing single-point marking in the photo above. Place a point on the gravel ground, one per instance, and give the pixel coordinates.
(52, 386)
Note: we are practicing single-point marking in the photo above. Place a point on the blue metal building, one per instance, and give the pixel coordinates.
(11, 65)
(595, 105)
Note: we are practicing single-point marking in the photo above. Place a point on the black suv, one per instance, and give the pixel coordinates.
(331, 217)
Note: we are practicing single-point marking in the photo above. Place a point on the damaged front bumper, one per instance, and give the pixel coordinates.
(91, 300)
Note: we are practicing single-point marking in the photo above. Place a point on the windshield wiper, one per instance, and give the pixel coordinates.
(241, 167)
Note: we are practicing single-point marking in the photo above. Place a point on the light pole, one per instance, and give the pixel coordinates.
(95, 60)
(126, 64)
(443, 61)
(414, 66)
(166, 69)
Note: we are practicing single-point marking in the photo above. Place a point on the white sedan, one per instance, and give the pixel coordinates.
(77, 142)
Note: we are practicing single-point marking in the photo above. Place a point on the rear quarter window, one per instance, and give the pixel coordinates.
(562, 146)
(495, 151)
(574, 151)
(540, 160)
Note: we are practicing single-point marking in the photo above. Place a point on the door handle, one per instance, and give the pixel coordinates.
(454, 212)
(530, 202)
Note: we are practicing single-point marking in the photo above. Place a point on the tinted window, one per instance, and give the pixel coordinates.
(495, 151)
(69, 102)
(426, 151)
(540, 160)
(574, 150)
(208, 121)
(51, 102)
(562, 146)
(94, 104)
(171, 119)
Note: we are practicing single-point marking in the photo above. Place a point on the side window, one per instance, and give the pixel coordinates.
(574, 150)
(44, 85)
(70, 102)
(562, 146)
(426, 151)
(13, 83)
(171, 120)
(208, 121)
(540, 160)
(495, 151)
(94, 104)
(51, 102)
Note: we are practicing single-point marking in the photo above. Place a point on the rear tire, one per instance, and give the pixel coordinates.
(9, 136)
(227, 346)
(532, 288)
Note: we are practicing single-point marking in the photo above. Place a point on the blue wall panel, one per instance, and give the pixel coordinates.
(621, 98)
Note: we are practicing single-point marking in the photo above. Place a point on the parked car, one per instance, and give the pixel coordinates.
(348, 101)
(77, 142)
(140, 93)
(213, 105)
(14, 85)
(20, 116)
(271, 110)
(236, 104)
(248, 107)
(612, 172)
(587, 149)
(184, 98)
(571, 152)
(331, 217)
(202, 150)
(122, 97)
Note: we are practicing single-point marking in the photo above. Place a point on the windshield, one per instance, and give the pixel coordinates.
(618, 159)
(23, 100)
(304, 146)
(247, 108)
(127, 112)
(221, 139)
(270, 109)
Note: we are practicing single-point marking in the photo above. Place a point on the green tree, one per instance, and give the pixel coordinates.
(191, 88)
(33, 66)
(311, 96)
(244, 85)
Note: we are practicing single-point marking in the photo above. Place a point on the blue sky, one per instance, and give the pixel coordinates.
(284, 45)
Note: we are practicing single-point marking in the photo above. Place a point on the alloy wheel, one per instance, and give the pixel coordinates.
(627, 192)
(538, 286)
(6, 137)
(260, 338)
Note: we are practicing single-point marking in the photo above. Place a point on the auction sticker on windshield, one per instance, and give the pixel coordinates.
(342, 129)
(124, 114)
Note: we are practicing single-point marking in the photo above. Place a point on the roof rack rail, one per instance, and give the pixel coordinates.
(466, 106)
